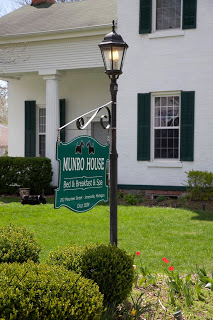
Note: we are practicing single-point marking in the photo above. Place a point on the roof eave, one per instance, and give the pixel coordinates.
(19, 36)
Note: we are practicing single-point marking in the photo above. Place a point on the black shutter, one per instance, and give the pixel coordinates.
(189, 14)
(62, 119)
(187, 126)
(30, 128)
(145, 16)
(144, 114)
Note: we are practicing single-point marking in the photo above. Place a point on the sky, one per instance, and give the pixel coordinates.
(6, 5)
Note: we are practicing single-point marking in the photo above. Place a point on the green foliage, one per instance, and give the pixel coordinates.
(135, 309)
(120, 195)
(183, 199)
(131, 199)
(18, 245)
(183, 287)
(205, 278)
(160, 198)
(139, 199)
(69, 256)
(112, 269)
(147, 277)
(33, 173)
(32, 292)
(200, 184)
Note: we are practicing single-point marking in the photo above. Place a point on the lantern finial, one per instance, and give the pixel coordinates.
(113, 26)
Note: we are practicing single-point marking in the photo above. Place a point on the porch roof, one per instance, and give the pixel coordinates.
(59, 17)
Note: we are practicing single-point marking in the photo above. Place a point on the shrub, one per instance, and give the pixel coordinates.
(160, 198)
(112, 269)
(200, 184)
(31, 291)
(18, 245)
(131, 199)
(33, 173)
(69, 256)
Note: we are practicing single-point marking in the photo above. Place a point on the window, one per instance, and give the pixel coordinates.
(42, 131)
(166, 127)
(168, 14)
(156, 15)
(35, 128)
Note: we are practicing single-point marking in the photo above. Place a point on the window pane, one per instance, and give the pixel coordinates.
(175, 153)
(176, 143)
(163, 101)
(42, 120)
(157, 122)
(157, 112)
(164, 153)
(170, 101)
(163, 121)
(157, 101)
(164, 133)
(176, 101)
(157, 133)
(163, 111)
(170, 143)
(42, 143)
(168, 14)
(170, 153)
(170, 121)
(166, 143)
(157, 153)
(176, 122)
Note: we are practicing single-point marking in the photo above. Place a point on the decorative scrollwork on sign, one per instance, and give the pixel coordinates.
(80, 120)
(80, 123)
(105, 117)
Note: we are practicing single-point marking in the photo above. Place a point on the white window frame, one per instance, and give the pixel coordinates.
(38, 133)
(165, 32)
(163, 162)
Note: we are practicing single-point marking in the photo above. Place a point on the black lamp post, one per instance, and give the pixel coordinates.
(113, 50)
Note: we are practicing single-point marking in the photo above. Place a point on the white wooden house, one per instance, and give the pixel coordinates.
(165, 120)
(165, 115)
(50, 56)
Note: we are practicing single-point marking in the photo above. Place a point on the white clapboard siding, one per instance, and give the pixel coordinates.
(61, 55)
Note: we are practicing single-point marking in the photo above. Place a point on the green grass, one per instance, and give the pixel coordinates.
(184, 237)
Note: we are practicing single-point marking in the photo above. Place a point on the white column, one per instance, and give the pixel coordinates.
(52, 121)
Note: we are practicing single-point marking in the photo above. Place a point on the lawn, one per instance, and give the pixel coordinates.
(185, 237)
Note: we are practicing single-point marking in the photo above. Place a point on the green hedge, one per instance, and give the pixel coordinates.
(110, 267)
(32, 292)
(18, 245)
(70, 257)
(200, 184)
(33, 173)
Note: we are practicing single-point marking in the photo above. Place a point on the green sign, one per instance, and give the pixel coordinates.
(82, 174)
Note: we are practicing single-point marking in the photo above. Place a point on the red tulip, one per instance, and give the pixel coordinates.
(164, 259)
(138, 253)
(167, 261)
(171, 268)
